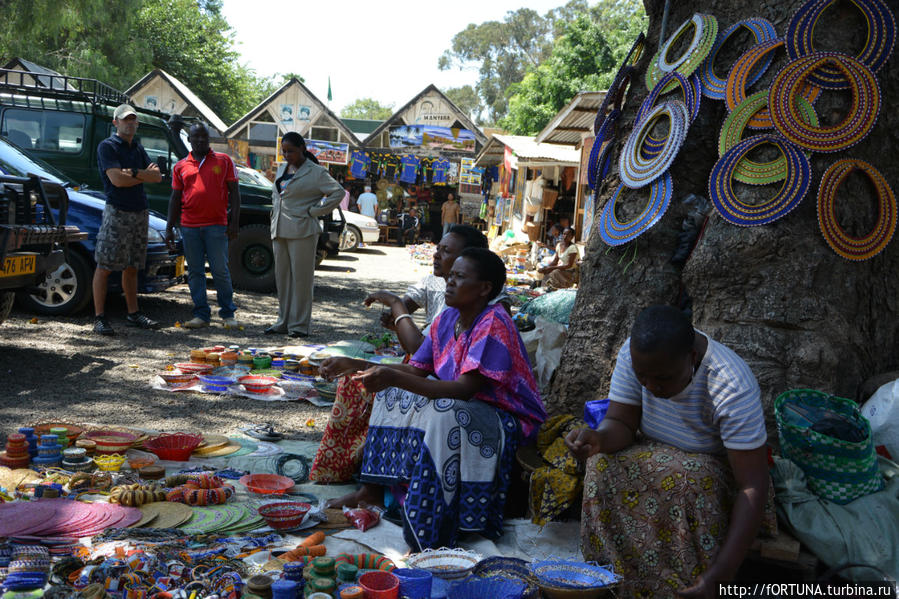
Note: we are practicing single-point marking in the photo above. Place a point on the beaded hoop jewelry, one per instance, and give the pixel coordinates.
(614, 96)
(604, 135)
(637, 171)
(735, 91)
(713, 86)
(614, 232)
(858, 122)
(879, 44)
(748, 171)
(704, 34)
(855, 248)
(687, 92)
(794, 188)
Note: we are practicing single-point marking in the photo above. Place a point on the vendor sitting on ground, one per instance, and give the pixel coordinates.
(340, 451)
(562, 272)
(676, 511)
(451, 440)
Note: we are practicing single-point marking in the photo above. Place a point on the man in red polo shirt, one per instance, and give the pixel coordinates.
(205, 205)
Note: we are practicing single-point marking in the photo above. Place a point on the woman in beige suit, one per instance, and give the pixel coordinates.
(297, 194)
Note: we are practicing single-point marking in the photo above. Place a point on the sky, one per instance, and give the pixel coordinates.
(384, 50)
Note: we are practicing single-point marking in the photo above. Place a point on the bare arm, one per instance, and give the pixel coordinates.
(121, 177)
(616, 432)
(380, 377)
(751, 476)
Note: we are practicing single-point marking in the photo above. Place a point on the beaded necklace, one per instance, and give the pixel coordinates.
(614, 232)
(705, 30)
(637, 171)
(762, 30)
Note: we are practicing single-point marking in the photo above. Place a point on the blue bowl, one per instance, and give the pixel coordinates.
(215, 384)
(487, 588)
(293, 376)
(573, 575)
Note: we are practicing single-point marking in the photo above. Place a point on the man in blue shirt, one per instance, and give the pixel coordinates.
(122, 239)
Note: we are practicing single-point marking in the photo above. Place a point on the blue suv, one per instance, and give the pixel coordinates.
(67, 289)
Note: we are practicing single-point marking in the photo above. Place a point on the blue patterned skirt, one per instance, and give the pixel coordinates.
(455, 456)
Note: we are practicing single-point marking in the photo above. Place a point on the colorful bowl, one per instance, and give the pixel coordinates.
(111, 441)
(448, 564)
(109, 463)
(293, 376)
(285, 514)
(194, 367)
(266, 484)
(215, 384)
(175, 446)
(379, 585)
(176, 377)
(255, 383)
(262, 361)
(481, 588)
(138, 459)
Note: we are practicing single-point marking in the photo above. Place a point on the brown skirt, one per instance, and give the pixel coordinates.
(658, 515)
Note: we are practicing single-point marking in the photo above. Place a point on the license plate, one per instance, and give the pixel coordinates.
(13, 266)
(179, 266)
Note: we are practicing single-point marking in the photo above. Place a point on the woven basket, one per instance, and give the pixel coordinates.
(837, 470)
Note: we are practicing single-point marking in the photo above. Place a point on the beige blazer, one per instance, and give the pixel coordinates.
(295, 211)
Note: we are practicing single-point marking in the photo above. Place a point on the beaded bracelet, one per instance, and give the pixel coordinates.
(614, 232)
(762, 30)
(855, 248)
(748, 171)
(705, 30)
(794, 187)
(854, 127)
(636, 171)
(735, 90)
(879, 43)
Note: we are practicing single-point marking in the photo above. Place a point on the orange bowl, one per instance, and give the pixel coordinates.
(266, 484)
(284, 514)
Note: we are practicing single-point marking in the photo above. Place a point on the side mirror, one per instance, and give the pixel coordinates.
(163, 164)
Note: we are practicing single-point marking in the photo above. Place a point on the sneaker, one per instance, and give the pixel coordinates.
(102, 326)
(195, 323)
(230, 322)
(141, 320)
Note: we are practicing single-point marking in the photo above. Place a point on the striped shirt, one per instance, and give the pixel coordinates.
(720, 409)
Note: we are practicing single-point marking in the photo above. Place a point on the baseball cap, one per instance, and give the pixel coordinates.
(122, 111)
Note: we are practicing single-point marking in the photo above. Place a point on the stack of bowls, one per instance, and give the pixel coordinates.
(49, 451)
(88, 445)
(75, 459)
(61, 433)
(31, 438)
(16, 454)
(28, 569)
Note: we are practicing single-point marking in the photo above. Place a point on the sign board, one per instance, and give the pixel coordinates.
(329, 151)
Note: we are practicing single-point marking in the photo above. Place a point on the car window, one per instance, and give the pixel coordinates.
(44, 129)
(14, 162)
(156, 143)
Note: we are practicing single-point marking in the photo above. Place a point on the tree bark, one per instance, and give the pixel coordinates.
(798, 313)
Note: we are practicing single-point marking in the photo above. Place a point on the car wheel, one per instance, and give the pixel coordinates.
(251, 259)
(6, 299)
(350, 238)
(63, 291)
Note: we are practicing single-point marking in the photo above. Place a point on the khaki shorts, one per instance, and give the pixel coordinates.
(122, 240)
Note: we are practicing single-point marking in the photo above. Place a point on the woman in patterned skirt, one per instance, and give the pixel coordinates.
(676, 512)
(446, 425)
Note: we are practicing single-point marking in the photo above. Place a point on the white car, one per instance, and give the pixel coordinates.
(359, 229)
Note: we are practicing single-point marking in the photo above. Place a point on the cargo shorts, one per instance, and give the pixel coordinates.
(122, 240)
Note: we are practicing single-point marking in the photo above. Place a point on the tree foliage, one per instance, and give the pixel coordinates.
(508, 52)
(119, 42)
(466, 99)
(367, 108)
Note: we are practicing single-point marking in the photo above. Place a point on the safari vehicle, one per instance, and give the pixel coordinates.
(33, 234)
(62, 119)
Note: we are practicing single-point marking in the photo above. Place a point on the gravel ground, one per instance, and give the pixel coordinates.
(59, 369)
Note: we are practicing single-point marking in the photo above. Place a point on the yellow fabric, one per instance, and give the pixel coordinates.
(556, 486)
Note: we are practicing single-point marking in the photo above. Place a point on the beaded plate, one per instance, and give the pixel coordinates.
(615, 95)
(748, 171)
(879, 43)
(855, 248)
(636, 170)
(615, 232)
(705, 30)
(599, 157)
(852, 129)
(714, 86)
(573, 575)
(793, 190)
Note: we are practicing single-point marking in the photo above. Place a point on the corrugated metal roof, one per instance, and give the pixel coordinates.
(568, 126)
(526, 149)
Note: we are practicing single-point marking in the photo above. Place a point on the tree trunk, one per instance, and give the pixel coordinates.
(798, 313)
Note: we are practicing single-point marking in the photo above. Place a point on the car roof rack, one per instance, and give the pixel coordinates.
(61, 87)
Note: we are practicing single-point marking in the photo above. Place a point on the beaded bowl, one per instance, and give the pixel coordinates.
(176, 377)
(449, 564)
(284, 514)
(266, 484)
(560, 579)
(481, 588)
(174, 446)
(256, 383)
(215, 384)
(109, 463)
(194, 367)
(111, 441)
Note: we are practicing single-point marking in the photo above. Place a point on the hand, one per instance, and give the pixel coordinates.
(383, 297)
(152, 167)
(582, 443)
(703, 588)
(544, 270)
(170, 238)
(387, 321)
(376, 378)
(331, 368)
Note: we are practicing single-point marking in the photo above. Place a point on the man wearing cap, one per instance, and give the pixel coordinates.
(122, 240)
(205, 204)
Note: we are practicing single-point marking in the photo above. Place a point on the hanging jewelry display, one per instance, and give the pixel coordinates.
(614, 232)
(637, 171)
(762, 30)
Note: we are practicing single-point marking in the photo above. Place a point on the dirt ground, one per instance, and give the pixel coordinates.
(59, 369)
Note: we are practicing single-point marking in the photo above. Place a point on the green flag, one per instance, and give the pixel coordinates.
(329, 89)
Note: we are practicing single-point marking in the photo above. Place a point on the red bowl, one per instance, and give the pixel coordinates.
(284, 514)
(111, 441)
(378, 584)
(255, 383)
(194, 367)
(175, 446)
(266, 484)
